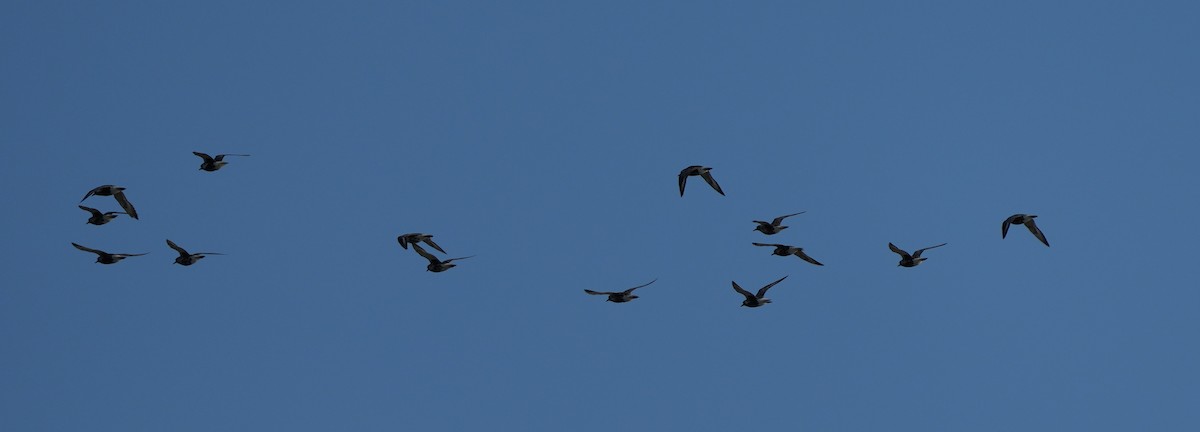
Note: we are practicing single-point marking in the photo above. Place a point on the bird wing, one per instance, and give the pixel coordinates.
(88, 249)
(598, 292)
(204, 156)
(902, 253)
(763, 291)
(403, 241)
(639, 286)
(1004, 228)
(421, 251)
(800, 253)
(94, 212)
(767, 244)
(93, 192)
(917, 254)
(742, 291)
(1037, 232)
(780, 219)
(683, 175)
(222, 156)
(455, 259)
(124, 202)
(712, 182)
(429, 241)
(129, 255)
(182, 253)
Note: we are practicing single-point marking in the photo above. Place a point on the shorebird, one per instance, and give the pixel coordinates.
(211, 164)
(1027, 220)
(785, 250)
(774, 226)
(913, 260)
(104, 257)
(756, 300)
(697, 170)
(405, 239)
(116, 192)
(436, 265)
(186, 258)
(100, 218)
(619, 297)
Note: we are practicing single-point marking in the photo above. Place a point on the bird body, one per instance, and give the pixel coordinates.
(703, 172)
(185, 258)
(621, 296)
(773, 227)
(1027, 220)
(913, 260)
(116, 192)
(211, 164)
(103, 257)
(99, 218)
(757, 299)
(786, 250)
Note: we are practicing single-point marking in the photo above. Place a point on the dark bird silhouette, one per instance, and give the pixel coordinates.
(774, 226)
(186, 258)
(913, 260)
(785, 250)
(100, 218)
(436, 265)
(756, 300)
(619, 297)
(115, 192)
(103, 257)
(405, 239)
(211, 164)
(1027, 220)
(697, 170)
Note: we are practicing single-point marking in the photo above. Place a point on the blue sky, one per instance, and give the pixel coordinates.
(545, 137)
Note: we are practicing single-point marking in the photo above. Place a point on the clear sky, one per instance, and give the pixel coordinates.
(545, 137)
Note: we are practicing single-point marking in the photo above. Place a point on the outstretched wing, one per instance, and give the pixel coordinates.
(917, 254)
(420, 251)
(902, 253)
(453, 259)
(129, 255)
(88, 249)
(683, 175)
(1004, 228)
(93, 192)
(712, 182)
(429, 241)
(742, 291)
(639, 286)
(182, 252)
(1037, 232)
(222, 156)
(763, 291)
(403, 241)
(597, 292)
(205, 156)
(768, 244)
(94, 212)
(124, 202)
(780, 219)
(803, 256)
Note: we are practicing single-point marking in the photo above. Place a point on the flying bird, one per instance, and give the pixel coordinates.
(697, 170)
(211, 164)
(186, 258)
(405, 239)
(774, 226)
(1028, 221)
(913, 260)
(115, 192)
(436, 265)
(619, 297)
(104, 257)
(785, 250)
(100, 218)
(756, 300)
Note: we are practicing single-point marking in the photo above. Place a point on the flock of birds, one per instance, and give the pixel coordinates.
(438, 265)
